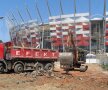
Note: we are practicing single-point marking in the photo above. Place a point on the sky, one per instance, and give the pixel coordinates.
(7, 6)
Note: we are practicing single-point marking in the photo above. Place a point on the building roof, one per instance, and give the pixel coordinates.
(96, 19)
(70, 15)
(68, 20)
(82, 19)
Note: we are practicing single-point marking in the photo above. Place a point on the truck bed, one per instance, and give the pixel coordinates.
(32, 53)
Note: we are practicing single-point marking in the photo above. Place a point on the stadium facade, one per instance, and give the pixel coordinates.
(55, 33)
(83, 29)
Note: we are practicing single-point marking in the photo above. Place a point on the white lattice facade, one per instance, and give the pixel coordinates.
(60, 27)
(79, 25)
(26, 34)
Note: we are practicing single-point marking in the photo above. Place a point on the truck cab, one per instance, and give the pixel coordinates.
(1, 51)
(2, 55)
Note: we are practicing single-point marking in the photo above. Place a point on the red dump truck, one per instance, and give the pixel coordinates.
(20, 59)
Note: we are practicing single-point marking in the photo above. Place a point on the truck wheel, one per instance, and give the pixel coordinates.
(18, 68)
(38, 67)
(1, 68)
(49, 67)
(83, 68)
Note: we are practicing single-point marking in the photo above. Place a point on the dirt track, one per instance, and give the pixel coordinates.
(93, 79)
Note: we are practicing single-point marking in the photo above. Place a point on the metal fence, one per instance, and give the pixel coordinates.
(102, 58)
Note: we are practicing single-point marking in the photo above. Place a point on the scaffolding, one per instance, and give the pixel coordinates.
(33, 33)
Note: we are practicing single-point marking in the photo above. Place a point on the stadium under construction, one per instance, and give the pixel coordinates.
(90, 32)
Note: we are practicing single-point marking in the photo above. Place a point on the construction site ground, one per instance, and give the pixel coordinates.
(93, 79)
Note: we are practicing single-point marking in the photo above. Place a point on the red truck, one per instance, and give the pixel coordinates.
(20, 59)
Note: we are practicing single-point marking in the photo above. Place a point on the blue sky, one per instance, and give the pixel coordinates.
(10, 5)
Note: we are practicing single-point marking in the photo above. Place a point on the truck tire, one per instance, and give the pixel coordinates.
(18, 68)
(83, 68)
(1, 68)
(49, 67)
(38, 67)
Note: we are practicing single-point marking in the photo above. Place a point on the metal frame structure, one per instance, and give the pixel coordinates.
(13, 20)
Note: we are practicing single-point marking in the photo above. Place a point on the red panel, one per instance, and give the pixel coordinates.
(83, 43)
(59, 39)
(66, 30)
(1, 51)
(52, 25)
(54, 54)
(58, 43)
(65, 24)
(19, 43)
(79, 37)
(53, 38)
(85, 27)
(80, 23)
(53, 31)
(106, 43)
(106, 37)
(16, 53)
(8, 44)
(45, 54)
(106, 34)
(27, 53)
(34, 45)
(32, 33)
(54, 44)
(65, 37)
(106, 31)
(106, 25)
(37, 53)
(34, 40)
(60, 33)
(28, 44)
(71, 27)
(34, 53)
(58, 28)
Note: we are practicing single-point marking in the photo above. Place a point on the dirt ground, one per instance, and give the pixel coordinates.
(93, 79)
